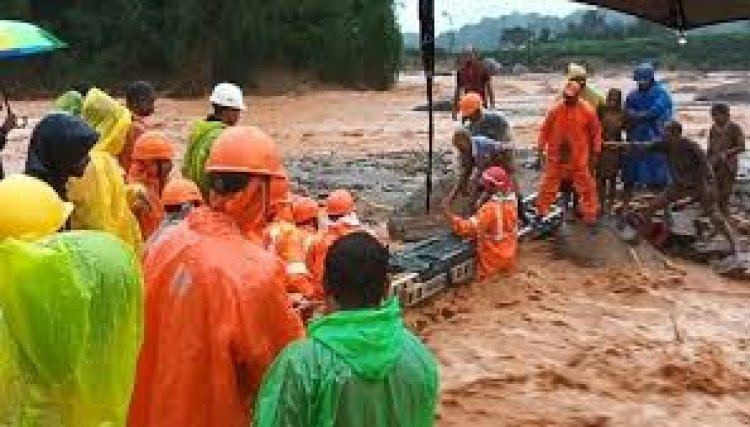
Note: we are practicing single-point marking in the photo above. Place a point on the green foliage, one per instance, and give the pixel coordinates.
(193, 43)
(705, 52)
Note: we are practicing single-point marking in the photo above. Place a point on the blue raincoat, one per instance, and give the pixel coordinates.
(648, 111)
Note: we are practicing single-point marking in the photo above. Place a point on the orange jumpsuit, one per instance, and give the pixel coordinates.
(569, 135)
(317, 256)
(287, 241)
(495, 228)
(216, 316)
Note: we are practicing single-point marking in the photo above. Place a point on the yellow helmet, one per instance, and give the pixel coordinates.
(31, 209)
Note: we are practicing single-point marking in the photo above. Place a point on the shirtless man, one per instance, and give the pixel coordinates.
(725, 142)
(692, 177)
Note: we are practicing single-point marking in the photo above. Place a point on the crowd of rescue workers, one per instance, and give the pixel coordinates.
(223, 299)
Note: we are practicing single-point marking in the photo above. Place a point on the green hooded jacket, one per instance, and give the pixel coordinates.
(202, 137)
(358, 368)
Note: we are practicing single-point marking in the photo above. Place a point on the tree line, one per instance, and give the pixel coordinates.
(189, 44)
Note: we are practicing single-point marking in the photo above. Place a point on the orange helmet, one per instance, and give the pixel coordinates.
(470, 104)
(153, 146)
(305, 209)
(245, 149)
(339, 203)
(179, 191)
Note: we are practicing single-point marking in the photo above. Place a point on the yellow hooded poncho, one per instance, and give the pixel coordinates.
(71, 325)
(109, 118)
(100, 195)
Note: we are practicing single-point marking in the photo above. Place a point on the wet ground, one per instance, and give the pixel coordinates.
(553, 344)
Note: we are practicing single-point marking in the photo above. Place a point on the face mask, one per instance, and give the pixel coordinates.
(248, 208)
(145, 173)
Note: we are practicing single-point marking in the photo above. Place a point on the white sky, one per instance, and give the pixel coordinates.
(470, 11)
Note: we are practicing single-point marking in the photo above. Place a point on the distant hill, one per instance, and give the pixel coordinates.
(486, 34)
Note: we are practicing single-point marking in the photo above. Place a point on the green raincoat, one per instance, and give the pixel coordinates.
(201, 139)
(70, 102)
(72, 313)
(359, 368)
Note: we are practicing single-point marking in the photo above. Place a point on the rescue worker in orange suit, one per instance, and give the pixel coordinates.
(284, 239)
(151, 164)
(306, 212)
(342, 220)
(571, 140)
(216, 313)
(179, 197)
(494, 226)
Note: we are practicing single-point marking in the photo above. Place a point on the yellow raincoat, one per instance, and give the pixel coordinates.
(109, 117)
(101, 201)
(71, 324)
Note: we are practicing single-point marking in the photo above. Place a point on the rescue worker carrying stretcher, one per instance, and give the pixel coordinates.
(570, 142)
(495, 225)
(342, 220)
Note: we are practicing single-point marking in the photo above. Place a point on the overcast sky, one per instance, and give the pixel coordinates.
(465, 12)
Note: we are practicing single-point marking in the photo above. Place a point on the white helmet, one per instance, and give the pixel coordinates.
(228, 95)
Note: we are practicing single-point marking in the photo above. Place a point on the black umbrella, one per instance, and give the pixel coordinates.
(681, 15)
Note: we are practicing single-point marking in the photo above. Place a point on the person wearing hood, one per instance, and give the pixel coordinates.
(342, 219)
(151, 164)
(360, 366)
(110, 119)
(217, 313)
(648, 107)
(72, 306)
(70, 102)
(228, 104)
(59, 149)
(495, 225)
(100, 195)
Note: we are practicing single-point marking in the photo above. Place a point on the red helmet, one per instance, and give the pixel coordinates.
(496, 179)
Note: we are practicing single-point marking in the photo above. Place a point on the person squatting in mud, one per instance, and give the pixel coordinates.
(692, 178)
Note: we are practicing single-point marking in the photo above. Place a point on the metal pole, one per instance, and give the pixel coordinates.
(431, 138)
(427, 39)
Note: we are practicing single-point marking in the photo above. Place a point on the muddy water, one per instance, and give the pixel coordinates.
(552, 345)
